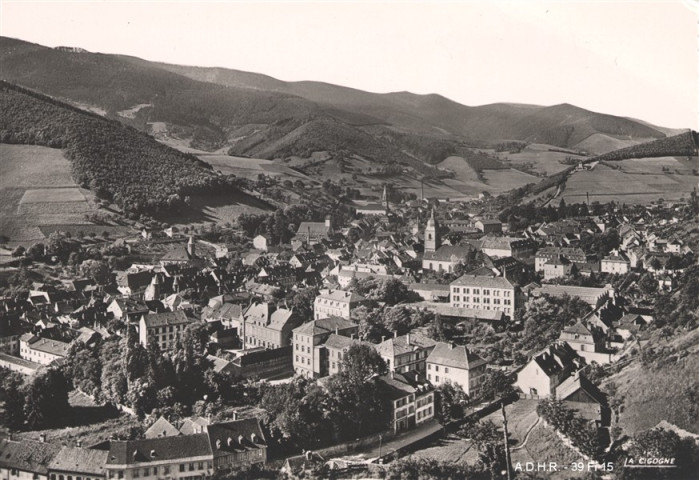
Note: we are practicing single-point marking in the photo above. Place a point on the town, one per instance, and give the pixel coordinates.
(338, 347)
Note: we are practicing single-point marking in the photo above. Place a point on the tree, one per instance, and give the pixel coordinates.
(14, 397)
(450, 401)
(489, 442)
(496, 385)
(46, 401)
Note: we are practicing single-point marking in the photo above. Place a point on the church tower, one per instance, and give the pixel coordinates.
(190, 247)
(432, 242)
(384, 199)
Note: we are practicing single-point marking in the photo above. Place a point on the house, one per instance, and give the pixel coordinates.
(488, 225)
(335, 303)
(76, 462)
(583, 338)
(544, 255)
(411, 399)
(486, 293)
(406, 352)
(267, 326)
(183, 457)
(580, 394)
(181, 256)
(43, 351)
(449, 363)
(26, 459)
(431, 292)
(132, 283)
(308, 340)
(237, 443)
(508, 247)
(332, 351)
(10, 333)
(229, 314)
(261, 242)
(615, 264)
(127, 309)
(557, 268)
(312, 233)
(279, 275)
(162, 328)
(547, 369)
(161, 428)
(194, 425)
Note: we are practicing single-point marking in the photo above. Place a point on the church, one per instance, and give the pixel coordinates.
(438, 257)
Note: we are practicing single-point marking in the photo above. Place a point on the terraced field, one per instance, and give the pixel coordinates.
(37, 193)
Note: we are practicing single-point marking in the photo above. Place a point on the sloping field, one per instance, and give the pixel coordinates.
(683, 165)
(542, 160)
(599, 143)
(605, 184)
(249, 167)
(36, 189)
(503, 180)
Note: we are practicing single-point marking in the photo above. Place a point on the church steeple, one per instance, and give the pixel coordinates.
(432, 240)
(384, 198)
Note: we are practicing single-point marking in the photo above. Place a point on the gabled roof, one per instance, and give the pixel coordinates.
(28, 456)
(404, 344)
(134, 452)
(80, 460)
(447, 253)
(456, 356)
(578, 382)
(167, 318)
(339, 296)
(225, 438)
(324, 325)
(469, 280)
(339, 342)
(161, 428)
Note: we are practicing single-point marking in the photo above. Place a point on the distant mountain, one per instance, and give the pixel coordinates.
(250, 114)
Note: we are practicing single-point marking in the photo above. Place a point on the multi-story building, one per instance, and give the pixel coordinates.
(406, 352)
(162, 328)
(615, 264)
(236, 443)
(488, 225)
(335, 303)
(307, 337)
(268, 327)
(573, 255)
(336, 347)
(485, 293)
(557, 268)
(184, 457)
(547, 369)
(508, 247)
(78, 463)
(456, 364)
(445, 258)
(411, 398)
(43, 351)
(26, 459)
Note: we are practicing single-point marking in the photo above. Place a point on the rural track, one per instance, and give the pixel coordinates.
(526, 436)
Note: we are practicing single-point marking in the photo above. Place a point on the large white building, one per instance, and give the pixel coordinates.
(335, 303)
(448, 363)
(484, 293)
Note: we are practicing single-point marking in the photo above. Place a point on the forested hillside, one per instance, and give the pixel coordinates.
(682, 145)
(116, 162)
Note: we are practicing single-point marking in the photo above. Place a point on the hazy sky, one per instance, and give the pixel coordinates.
(636, 59)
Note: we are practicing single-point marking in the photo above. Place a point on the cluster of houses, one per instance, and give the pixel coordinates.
(255, 335)
(195, 450)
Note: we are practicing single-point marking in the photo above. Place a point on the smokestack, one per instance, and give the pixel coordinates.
(407, 338)
(395, 333)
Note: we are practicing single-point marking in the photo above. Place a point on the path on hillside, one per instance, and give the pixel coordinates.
(526, 436)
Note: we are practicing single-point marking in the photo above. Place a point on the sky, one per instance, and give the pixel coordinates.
(628, 58)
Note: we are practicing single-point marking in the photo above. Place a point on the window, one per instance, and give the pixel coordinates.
(182, 467)
(436, 379)
(120, 474)
(446, 369)
(137, 473)
(191, 467)
(166, 470)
